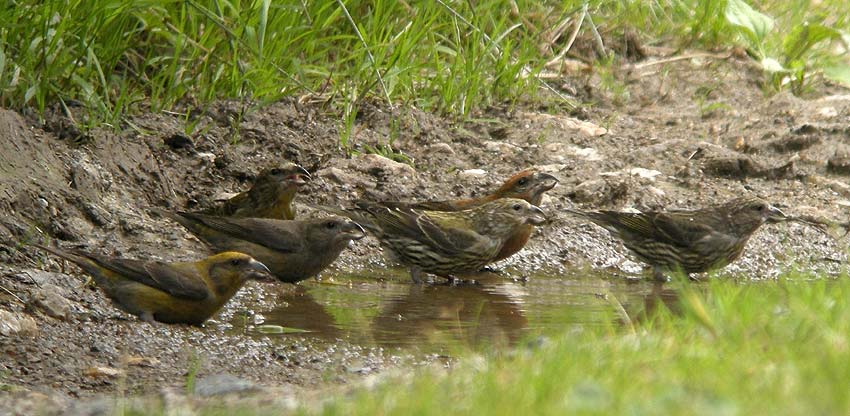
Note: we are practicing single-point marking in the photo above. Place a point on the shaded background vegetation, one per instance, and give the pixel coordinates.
(115, 57)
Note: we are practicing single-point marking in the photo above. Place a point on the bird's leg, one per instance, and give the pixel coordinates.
(147, 317)
(658, 274)
(88, 283)
(416, 275)
(490, 269)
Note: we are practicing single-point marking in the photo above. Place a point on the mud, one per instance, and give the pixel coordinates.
(685, 134)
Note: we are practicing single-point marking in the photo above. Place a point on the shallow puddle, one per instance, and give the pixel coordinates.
(495, 310)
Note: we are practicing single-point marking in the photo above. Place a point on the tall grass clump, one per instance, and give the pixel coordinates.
(113, 57)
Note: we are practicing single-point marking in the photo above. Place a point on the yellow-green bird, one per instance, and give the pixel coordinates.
(271, 195)
(172, 293)
(293, 250)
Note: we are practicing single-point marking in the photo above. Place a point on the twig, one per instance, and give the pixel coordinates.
(560, 56)
(599, 46)
(13, 295)
(682, 58)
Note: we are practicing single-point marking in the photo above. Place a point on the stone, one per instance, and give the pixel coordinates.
(88, 177)
(473, 172)
(838, 165)
(17, 324)
(376, 164)
(102, 371)
(441, 148)
(52, 300)
(206, 157)
(589, 190)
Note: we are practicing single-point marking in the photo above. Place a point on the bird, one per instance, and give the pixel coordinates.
(294, 250)
(691, 241)
(440, 242)
(172, 293)
(271, 195)
(528, 185)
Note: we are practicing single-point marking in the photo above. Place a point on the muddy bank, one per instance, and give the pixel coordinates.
(698, 133)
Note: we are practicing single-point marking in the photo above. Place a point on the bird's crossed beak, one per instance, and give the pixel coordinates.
(259, 271)
(775, 215)
(545, 181)
(299, 177)
(536, 216)
(353, 230)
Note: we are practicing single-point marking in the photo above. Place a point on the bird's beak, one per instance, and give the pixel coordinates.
(300, 177)
(259, 271)
(537, 216)
(545, 181)
(353, 230)
(775, 215)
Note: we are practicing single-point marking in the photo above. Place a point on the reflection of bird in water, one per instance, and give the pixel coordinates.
(652, 302)
(297, 309)
(440, 315)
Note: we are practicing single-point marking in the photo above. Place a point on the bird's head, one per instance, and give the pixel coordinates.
(229, 270)
(527, 185)
(331, 231)
(751, 213)
(505, 214)
(288, 174)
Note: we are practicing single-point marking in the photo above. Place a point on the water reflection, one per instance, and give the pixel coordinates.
(299, 310)
(469, 315)
(494, 311)
(659, 298)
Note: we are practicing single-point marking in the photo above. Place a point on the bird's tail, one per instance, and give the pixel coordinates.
(65, 254)
(178, 217)
(80, 259)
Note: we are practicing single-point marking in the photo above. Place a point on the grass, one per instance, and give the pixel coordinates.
(113, 58)
(767, 348)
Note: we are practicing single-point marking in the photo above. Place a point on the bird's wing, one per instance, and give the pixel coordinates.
(681, 230)
(227, 207)
(442, 232)
(157, 275)
(278, 235)
(676, 230)
(424, 205)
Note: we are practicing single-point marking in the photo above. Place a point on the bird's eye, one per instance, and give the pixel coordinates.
(760, 208)
(236, 262)
(516, 207)
(276, 171)
(522, 181)
(330, 225)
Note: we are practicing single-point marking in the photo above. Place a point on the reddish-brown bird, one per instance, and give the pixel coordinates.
(527, 185)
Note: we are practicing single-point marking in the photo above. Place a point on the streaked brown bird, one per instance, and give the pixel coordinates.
(445, 243)
(293, 250)
(527, 185)
(184, 293)
(271, 195)
(691, 241)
